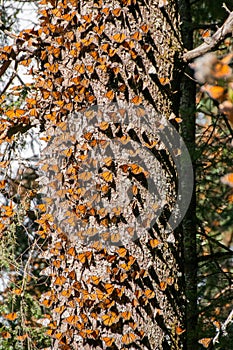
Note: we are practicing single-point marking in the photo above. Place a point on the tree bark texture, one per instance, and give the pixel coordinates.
(187, 111)
(104, 53)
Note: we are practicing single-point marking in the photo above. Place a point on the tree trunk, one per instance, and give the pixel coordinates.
(187, 111)
(122, 55)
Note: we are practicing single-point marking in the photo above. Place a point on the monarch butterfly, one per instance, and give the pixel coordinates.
(206, 33)
(138, 293)
(143, 273)
(133, 325)
(107, 176)
(99, 30)
(57, 263)
(69, 36)
(137, 36)
(46, 95)
(92, 230)
(137, 100)
(49, 332)
(22, 337)
(5, 335)
(7, 49)
(115, 237)
(170, 280)
(144, 28)
(111, 53)
(59, 309)
(110, 318)
(110, 94)
(164, 81)
(100, 295)
(122, 88)
(122, 277)
(15, 113)
(87, 18)
(94, 54)
(163, 285)
(119, 38)
(86, 175)
(128, 338)
(77, 285)
(84, 256)
(81, 209)
(104, 47)
(72, 319)
(17, 291)
(68, 106)
(104, 222)
(136, 169)
(122, 252)
(60, 280)
(108, 341)
(154, 243)
(72, 274)
(96, 280)
(92, 334)
(54, 51)
(205, 342)
(227, 179)
(120, 291)
(80, 68)
(216, 92)
(126, 315)
(47, 302)
(126, 267)
(41, 207)
(103, 126)
(53, 68)
(26, 62)
(179, 330)
(105, 10)
(60, 103)
(90, 98)
(84, 318)
(150, 294)
(124, 167)
(135, 303)
(97, 245)
(56, 12)
(31, 101)
(116, 12)
(109, 288)
(2, 183)
(66, 293)
(67, 17)
(90, 68)
(59, 337)
(11, 316)
(103, 67)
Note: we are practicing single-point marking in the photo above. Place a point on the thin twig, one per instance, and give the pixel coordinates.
(213, 41)
(222, 329)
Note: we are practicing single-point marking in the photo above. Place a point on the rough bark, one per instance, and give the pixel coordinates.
(135, 57)
(187, 110)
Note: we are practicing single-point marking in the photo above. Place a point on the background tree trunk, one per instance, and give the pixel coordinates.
(187, 111)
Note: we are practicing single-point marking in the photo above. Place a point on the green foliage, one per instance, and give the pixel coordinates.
(209, 12)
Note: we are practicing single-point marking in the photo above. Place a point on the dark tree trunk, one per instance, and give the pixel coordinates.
(187, 110)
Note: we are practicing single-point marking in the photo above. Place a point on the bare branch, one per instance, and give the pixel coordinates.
(213, 41)
(222, 330)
